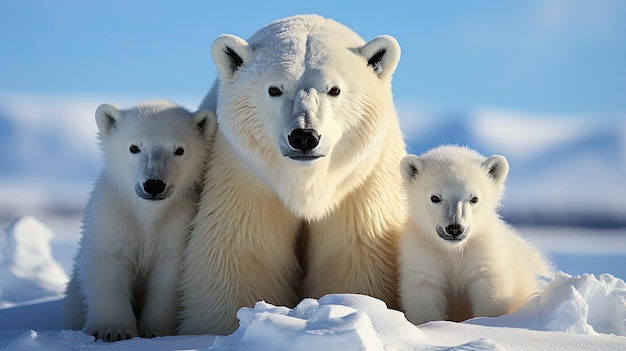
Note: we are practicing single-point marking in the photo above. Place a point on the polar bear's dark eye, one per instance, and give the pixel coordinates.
(334, 91)
(435, 199)
(474, 200)
(179, 151)
(274, 91)
(134, 149)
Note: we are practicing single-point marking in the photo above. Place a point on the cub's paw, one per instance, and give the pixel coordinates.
(111, 334)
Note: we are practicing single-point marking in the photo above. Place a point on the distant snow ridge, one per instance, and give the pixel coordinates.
(27, 269)
(340, 322)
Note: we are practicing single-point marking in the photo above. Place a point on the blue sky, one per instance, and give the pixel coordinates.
(549, 56)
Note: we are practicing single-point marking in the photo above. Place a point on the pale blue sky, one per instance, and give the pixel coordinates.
(553, 56)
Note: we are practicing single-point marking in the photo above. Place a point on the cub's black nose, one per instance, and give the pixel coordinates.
(154, 187)
(454, 230)
(304, 139)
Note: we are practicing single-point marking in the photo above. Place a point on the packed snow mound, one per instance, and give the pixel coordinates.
(583, 304)
(27, 269)
(339, 322)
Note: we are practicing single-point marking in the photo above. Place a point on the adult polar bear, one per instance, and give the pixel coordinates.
(308, 145)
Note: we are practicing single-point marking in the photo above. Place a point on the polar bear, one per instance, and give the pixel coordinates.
(137, 219)
(303, 195)
(457, 258)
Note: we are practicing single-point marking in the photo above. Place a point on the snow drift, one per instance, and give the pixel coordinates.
(583, 304)
(27, 269)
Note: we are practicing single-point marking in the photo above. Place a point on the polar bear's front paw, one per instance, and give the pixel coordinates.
(152, 327)
(150, 334)
(112, 334)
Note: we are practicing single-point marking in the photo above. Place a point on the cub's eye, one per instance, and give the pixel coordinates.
(474, 200)
(435, 199)
(334, 91)
(274, 91)
(179, 151)
(134, 149)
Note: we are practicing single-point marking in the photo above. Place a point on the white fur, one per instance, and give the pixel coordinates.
(263, 212)
(487, 270)
(128, 264)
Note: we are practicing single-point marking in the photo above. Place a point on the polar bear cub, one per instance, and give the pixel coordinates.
(457, 258)
(136, 221)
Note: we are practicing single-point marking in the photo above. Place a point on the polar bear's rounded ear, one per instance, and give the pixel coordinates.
(107, 116)
(497, 168)
(382, 54)
(409, 167)
(230, 52)
(205, 121)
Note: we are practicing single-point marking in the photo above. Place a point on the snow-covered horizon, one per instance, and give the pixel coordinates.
(565, 170)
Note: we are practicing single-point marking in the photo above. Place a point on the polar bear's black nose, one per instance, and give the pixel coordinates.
(304, 139)
(154, 187)
(454, 230)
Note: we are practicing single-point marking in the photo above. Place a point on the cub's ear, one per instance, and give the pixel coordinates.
(205, 121)
(107, 116)
(230, 52)
(497, 168)
(382, 54)
(409, 167)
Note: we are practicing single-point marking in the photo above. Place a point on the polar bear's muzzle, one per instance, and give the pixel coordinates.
(303, 145)
(304, 139)
(452, 232)
(153, 189)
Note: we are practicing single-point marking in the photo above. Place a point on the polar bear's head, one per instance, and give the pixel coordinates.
(306, 104)
(453, 191)
(154, 149)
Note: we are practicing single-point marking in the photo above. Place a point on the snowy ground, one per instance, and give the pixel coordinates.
(583, 312)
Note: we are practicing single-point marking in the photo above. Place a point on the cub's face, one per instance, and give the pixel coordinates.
(154, 151)
(451, 199)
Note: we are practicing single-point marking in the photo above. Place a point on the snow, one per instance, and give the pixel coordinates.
(335, 322)
(584, 304)
(27, 269)
(572, 312)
